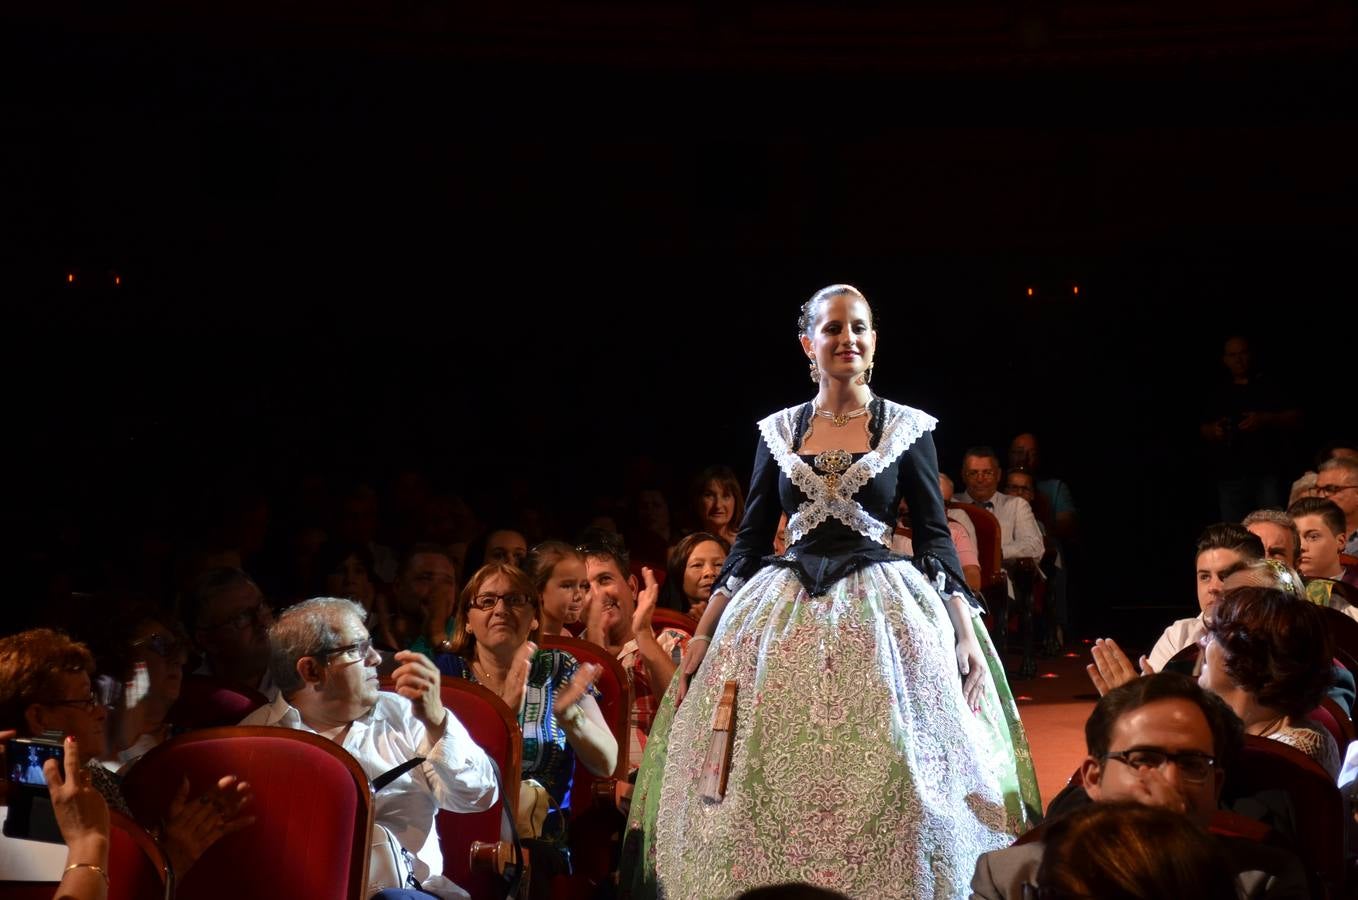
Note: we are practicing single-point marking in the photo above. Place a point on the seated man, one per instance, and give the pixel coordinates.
(421, 610)
(1222, 549)
(1160, 741)
(1320, 523)
(1278, 533)
(325, 666)
(1337, 480)
(618, 618)
(1020, 540)
(229, 620)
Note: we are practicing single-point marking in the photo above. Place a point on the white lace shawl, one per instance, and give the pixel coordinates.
(901, 427)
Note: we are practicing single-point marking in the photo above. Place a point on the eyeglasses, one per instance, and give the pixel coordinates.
(163, 646)
(1192, 765)
(1329, 490)
(356, 652)
(88, 704)
(486, 602)
(243, 619)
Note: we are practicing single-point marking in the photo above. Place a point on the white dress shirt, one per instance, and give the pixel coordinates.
(1177, 636)
(1019, 534)
(456, 775)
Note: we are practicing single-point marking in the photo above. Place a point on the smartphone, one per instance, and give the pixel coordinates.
(30, 814)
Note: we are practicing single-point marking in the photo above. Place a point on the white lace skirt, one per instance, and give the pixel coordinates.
(857, 766)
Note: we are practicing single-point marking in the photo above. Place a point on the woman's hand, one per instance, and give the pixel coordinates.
(80, 810)
(580, 683)
(693, 658)
(516, 680)
(972, 665)
(1111, 667)
(192, 826)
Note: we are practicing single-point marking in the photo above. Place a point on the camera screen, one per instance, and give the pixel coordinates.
(25, 761)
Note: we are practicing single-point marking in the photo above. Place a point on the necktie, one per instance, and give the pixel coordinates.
(986, 504)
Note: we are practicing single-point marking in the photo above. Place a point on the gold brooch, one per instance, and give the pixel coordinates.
(833, 463)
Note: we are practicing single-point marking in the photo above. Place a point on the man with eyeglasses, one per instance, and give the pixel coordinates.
(1160, 741)
(229, 619)
(1337, 481)
(323, 661)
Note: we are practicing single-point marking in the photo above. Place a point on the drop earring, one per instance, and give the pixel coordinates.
(815, 372)
(866, 377)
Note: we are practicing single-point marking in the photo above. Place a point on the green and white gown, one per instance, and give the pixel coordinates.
(858, 765)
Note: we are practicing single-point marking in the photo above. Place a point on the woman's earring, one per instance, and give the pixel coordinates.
(866, 377)
(815, 372)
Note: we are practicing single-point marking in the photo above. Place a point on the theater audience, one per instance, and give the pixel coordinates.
(1269, 656)
(45, 685)
(1278, 533)
(1020, 540)
(902, 541)
(494, 644)
(346, 570)
(1063, 518)
(558, 572)
(229, 620)
(325, 666)
(717, 502)
(1159, 741)
(694, 564)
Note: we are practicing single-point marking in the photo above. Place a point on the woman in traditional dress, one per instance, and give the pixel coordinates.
(877, 750)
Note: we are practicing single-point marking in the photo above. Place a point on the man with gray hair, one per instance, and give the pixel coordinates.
(1278, 533)
(325, 666)
(1337, 481)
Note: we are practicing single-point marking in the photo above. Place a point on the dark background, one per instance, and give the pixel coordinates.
(534, 241)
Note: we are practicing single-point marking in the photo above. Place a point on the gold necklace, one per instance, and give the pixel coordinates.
(839, 421)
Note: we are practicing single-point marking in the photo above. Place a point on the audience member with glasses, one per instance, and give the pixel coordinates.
(494, 643)
(1161, 741)
(229, 619)
(145, 664)
(45, 686)
(324, 663)
(1337, 481)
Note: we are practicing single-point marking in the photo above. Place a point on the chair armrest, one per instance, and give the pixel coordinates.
(490, 857)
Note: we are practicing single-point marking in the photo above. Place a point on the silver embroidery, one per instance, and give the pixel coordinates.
(902, 426)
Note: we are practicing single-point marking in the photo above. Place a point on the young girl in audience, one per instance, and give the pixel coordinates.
(693, 567)
(840, 717)
(558, 573)
(1269, 656)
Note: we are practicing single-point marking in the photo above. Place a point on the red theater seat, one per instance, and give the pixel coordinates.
(312, 807)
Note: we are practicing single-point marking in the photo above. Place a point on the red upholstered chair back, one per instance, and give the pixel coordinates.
(312, 805)
(595, 824)
(495, 730)
(208, 702)
(1336, 722)
(1267, 764)
(1344, 632)
(989, 543)
(1348, 561)
(669, 618)
(136, 867)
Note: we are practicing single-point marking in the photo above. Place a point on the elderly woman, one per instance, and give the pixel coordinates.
(694, 564)
(558, 573)
(45, 686)
(497, 616)
(1268, 655)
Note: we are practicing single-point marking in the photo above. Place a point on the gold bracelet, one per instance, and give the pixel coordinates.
(98, 869)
